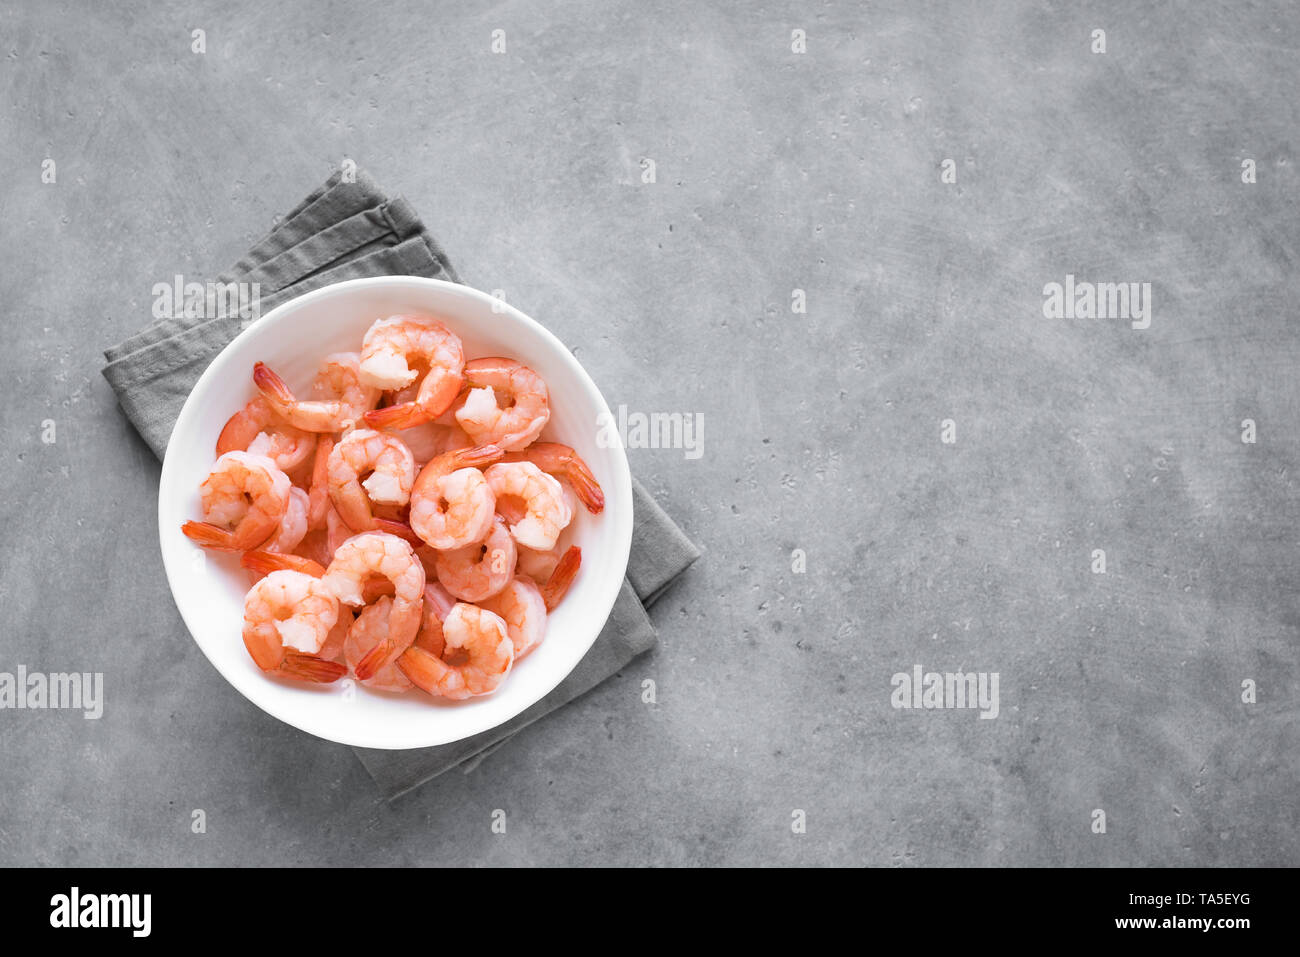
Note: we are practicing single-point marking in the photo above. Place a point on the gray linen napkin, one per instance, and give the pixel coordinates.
(346, 230)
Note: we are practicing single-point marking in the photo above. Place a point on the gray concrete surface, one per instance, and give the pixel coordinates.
(775, 170)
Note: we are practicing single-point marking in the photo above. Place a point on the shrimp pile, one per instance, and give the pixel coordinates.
(399, 520)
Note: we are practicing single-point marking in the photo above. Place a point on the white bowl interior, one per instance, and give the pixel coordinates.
(209, 587)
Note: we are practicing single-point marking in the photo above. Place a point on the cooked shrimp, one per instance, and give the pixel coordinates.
(368, 630)
(347, 397)
(545, 512)
(479, 571)
(287, 618)
(243, 499)
(262, 562)
(388, 466)
(476, 658)
(394, 353)
(507, 404)
(293, 527)
(451, 503)
(522, 607)
(520, 399)
(257, 429)
(376, 554)
(564, 463)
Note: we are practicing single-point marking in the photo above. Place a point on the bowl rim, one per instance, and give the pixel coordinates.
(621, 487)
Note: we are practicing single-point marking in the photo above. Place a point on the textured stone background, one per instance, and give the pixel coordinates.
(775, 171)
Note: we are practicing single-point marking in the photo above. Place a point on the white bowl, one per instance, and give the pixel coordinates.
(209, 587)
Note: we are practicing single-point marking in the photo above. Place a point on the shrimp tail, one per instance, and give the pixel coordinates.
(375, 660)
(210, 536)
(264, 562)
(318, 498)
(273, 388)
(557, 586)
(425, 408)
(585, 485)
(478, 456)
(401, 529)
(308, 668)
(446, 389)
(234, 436)
(423, 668)
(404, 415)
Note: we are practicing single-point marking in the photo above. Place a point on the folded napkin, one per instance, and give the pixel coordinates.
(346, 229)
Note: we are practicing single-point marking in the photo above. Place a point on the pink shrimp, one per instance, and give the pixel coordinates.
(388, 465)
(562, 462)
(288, 617)
(256, 428)
(243, 499)
(261, 562)
(451, 502)
(376, 554)
(476, 656)
(478, 571)
(393, 355)
(507, 403)
(340, 411)
(531, 501)
(368, 630)
(521, 606)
